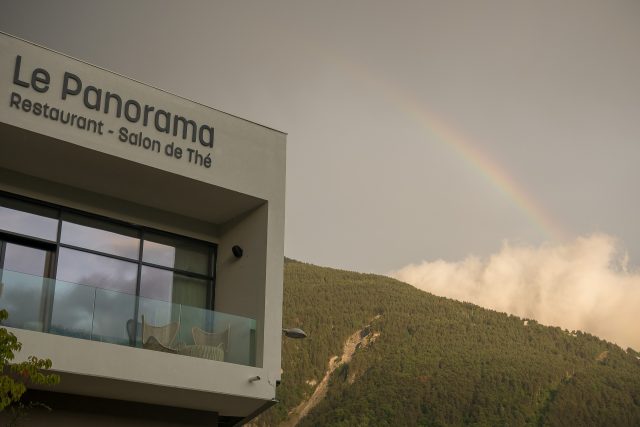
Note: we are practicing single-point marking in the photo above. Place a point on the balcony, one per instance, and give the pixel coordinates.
(96, 314)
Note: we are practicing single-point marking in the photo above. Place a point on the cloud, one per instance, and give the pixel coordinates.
(582, 285)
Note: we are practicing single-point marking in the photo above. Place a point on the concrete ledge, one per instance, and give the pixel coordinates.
(118, 372)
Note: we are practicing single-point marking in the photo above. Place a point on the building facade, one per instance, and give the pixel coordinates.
(141, 246)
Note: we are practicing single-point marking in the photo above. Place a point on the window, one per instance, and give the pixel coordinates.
(106, 255)
(178, 253)
(79, 275)
(100, 236)
(97, 271)
(27, 219)
(24, 284)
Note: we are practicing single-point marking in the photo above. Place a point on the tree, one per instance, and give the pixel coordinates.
(14, 377)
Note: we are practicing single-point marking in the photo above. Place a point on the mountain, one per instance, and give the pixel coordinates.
(415, 359)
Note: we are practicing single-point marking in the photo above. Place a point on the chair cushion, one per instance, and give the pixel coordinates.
(203, 351)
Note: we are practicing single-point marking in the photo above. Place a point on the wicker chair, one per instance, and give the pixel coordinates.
(160, 338)
(132, 328)
(211, 339)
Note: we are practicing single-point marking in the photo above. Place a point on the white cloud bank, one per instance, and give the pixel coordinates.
(583, 285)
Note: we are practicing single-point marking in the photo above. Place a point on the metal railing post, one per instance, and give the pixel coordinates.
(93, 312)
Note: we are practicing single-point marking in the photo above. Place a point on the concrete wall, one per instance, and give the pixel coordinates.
(244, 276)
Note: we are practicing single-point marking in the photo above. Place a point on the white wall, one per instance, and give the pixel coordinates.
(238, 200)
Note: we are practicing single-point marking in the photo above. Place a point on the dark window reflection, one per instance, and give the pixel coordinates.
(172, 252)
(172, 287)
(25, 259)
(98, 271)
(112, 312)
(23, 288)
(31, 220)
(99, 236)
(23, 296)
(94, 294)
(72, 310)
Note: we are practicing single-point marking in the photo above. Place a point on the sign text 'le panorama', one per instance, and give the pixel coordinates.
(97, 99)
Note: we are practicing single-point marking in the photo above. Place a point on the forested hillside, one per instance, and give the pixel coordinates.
(442, 362)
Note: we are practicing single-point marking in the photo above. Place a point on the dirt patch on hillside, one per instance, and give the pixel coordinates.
(358, 339)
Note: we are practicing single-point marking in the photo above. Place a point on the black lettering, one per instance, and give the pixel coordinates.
(97, 96)
(92, 124)
(63, 119)
(26, 105)
(122, 134)
(178, 120)
(81, 122)
(168, 149)
(134, 138)
(199, 158)
(100, 124)
(37, 108)
(107, 99)
(66, 90)
(54, 114)
(195, 157)
(172, 151)
(206, 136)
(40, 76)
(167, 119)
(16, 73)
(147, 110)
(127, 112)
(46, 111)
(15, 99)
(73, 119)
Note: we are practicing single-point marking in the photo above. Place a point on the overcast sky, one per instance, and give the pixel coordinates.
(418, 130)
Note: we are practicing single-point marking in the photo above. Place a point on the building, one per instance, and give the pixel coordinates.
(141, 246)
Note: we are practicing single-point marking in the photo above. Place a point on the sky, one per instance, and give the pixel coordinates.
(418, 131)
(481, 150)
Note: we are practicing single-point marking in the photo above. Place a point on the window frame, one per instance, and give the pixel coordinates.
(140, 231)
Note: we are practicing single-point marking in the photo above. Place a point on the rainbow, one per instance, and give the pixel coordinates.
(465, 149)
(490, 169)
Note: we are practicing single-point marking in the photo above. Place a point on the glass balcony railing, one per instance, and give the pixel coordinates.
(85, 312)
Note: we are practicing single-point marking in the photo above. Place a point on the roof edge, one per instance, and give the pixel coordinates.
(138, 81)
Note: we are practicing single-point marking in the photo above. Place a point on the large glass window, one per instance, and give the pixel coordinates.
(166, 285)
(176, 253)
(79, 275)
(101, 236)
(27, 219)
(106, 255)
(24, 284)
(25, 259)
(97, 271)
